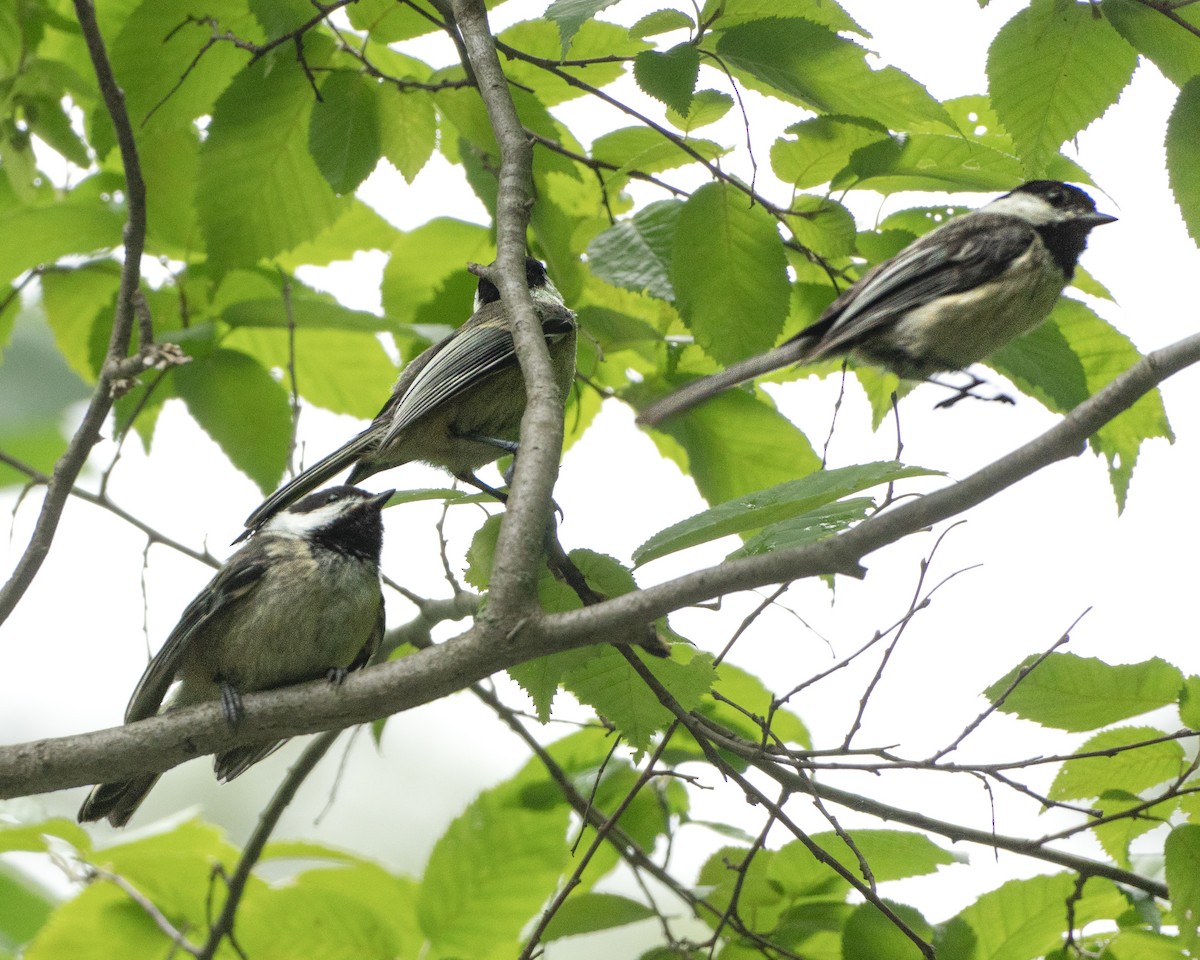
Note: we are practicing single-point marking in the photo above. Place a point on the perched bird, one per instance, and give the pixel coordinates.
(458, 405)
(300, 601)
(950, 298)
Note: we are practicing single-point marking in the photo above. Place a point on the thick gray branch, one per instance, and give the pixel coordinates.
(513, 589)
(428, 675)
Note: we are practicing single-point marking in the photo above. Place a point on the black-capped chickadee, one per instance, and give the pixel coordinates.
(458, 405)
(299, 602)
(947, 300)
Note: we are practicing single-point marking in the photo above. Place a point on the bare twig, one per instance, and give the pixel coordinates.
(222, 927)
(134, 239)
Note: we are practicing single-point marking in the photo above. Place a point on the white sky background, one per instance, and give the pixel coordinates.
(1049, 549)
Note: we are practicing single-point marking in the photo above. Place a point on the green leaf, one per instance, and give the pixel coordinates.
(670, 76)
(810, 63)
(48, 120)
(36, 385)
(260, 192)
(1045, 367)
(407, 129)
(729, 273)
(181, 47)
(54, 231)
(636, 254)
(1183, 156)
(1116, 835)
(1189, 702)
(170, 159)
(428, 262)
(707, 106)
(358, 228)
(606, 682)
(1134, 944)
(822, 147)
(1182, 851)
(932, 161)
(346, 372)
(660, 21)
(219, 390)
(1052, 70)
(309, 311)
(1082, 693)
(594, 40)
(869, 933)
(818, 11)
(390, 22)
(79, 307)
(570, 15)
(24, 908)
(1173, 50)
(1119, 766)
(1026, 918)
(343, 134)
(807, 528)
(736, 444)
(299, 921)
(757, 510)
(636, 148)
(752, 696)
(758, 892)
(391, 899)
(589, 912)
(891, 854)
(93, 924)
(487, 876)
(481, 553)
(822, 225)
(172, 868)
(33, 837)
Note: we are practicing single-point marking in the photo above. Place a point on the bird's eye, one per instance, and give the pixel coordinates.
(332, 498)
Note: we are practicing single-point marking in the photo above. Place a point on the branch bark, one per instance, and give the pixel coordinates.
(163, 742)
(512, 597)
(71, 462)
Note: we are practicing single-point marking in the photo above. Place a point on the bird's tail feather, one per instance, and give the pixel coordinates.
(687, 396)
(116, 801)
(306, 482)
(235, 762)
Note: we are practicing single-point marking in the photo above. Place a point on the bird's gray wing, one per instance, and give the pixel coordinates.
(966, 253)
(481, 347)
(233, 763)
(227, 588)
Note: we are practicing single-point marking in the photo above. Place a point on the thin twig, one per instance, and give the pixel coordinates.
(236, 886)
(134, 239)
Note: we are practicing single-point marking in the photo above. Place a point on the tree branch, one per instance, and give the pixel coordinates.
(71, 462)
(305, 764)
(512, 596)
(490, 645)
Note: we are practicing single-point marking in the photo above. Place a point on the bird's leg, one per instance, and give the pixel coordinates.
(961, 393)
(336, 675)
(231, 703)
(510, 447)
(469, 478)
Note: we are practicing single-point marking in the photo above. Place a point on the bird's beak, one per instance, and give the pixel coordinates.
(380, 499)
(1097, 219)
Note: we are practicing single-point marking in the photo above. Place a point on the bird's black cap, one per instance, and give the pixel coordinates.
(535, 276)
